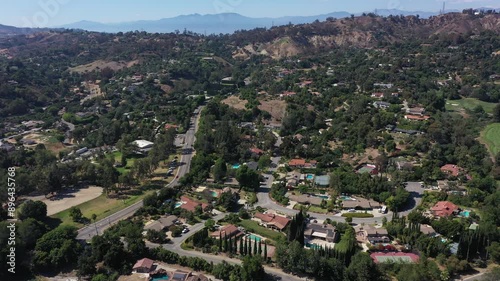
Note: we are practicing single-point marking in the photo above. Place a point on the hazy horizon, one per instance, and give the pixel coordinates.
(50, 13)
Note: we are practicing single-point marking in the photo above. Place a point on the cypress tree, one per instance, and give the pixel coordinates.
(225, 243)
(265, 250)
(249, 247)
(242, 250)
(255, 247)
(260, 247)
(220, 242)
(245, 250)
(230, 246)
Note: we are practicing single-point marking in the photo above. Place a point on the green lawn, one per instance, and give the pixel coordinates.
(469, 103)
(117, 156)
(253, 226)
(101, 206)
(357, 215)
(491, 136)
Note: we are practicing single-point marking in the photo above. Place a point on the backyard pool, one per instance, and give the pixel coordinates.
(347, 198)
(326, 197)
(236, 166)
(312, 246)
(214, 194)
(178, 204)
(309, 176)
(160, 278)
(465, 214)
(254, 238)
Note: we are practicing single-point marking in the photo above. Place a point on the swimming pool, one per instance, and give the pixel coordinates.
(309, 176)
(214, 194)
(160, 278)
(178, 204)
(347, 198)
(465, 214)
(312, 246)
(253, 237)
(236, 166)
(326, 197)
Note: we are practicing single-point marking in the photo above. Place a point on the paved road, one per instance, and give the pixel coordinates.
(71, 126)
(99, 227)
(175, 246)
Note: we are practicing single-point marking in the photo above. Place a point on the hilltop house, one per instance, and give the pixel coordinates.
(272, 221)
(229, 230)
(367, 233)
(325, 232)
(444, 209)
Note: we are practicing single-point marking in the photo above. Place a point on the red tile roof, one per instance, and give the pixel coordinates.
(170, 126)
(451, 169)
(444, 209)
(190, 204)
(229, 230)
(278, 221)
(417, 117)
(256, 150)
(144, 263)
(297, 162)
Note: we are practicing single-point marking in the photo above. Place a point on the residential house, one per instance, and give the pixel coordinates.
(252, 165)
(373, 235)
(367, 168)
(412, 117)
(360, 204)
(162, 223)
(378, 95)
(383, 85)
(143, 145)
(428, 230)
(415, 111)
(451, 170)
(406, 132)
(32, 124)
(381, 104)
(189, 204)
(256, 151)
(143, 266)
(229, 230)
(272, 221)
(287, 94)
(444, 209)
(325, 232)
(297, 163)
(306, 199)
(171, 126)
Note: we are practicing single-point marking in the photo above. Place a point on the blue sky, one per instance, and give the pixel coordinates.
(57, 12)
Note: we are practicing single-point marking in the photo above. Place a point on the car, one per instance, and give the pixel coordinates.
(351, 211)
(185, 230)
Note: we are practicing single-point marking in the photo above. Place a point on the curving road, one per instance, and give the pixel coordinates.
(89, 231)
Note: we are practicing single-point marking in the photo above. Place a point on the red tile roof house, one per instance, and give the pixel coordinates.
(444, 209)
(451, 169)
(171, 126)
(378, 95)
(143, 266)
(256, 151)
(190, 205)
(272, 221)
(229, 230)
(301, 163)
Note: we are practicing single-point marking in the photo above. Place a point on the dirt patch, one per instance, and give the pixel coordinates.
(68, 199)
(277, 108)
(166, 88)
(235, 102)
(100, 64)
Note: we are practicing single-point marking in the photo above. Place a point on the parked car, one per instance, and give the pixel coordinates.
(185, 230)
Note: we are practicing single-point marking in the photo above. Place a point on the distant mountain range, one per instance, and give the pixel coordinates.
(221, 23)
(7, 30)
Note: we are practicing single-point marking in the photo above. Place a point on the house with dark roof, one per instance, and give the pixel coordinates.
(306, 199)
(143, 266)
(444, 209)
(162, 223)
(325, 232)
(381, 104)
(360, 203)
(229, 230)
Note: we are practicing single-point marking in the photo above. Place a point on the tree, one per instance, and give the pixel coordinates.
(220, 170)
(362, 268)
(57, 248)
(156, 236)
(210, 224)
(252, 269)
(494, 251)
(86, 263)
(76, 214)
(248, 179)
(30, 230)
(496, 113)
(348, 220)
(265, 250)
(32, 209)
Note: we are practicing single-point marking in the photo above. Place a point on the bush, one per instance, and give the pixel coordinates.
(357, 215)
(32, 209)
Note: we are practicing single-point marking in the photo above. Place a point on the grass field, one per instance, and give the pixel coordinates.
(491, 136)
(253, 226)
(357, 215)
(117, 156)
(101, 206)
(469, 103)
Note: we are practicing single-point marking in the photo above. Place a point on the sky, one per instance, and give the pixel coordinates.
(44, 13)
